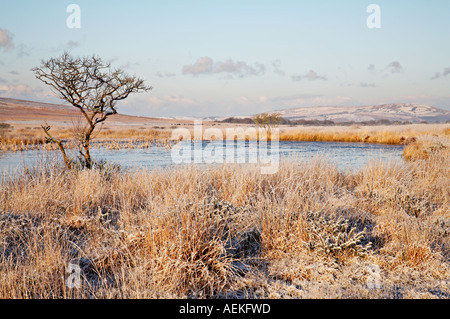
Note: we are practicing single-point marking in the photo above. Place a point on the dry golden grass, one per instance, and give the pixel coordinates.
(229, 232)
(28, 138)
(426, 146)
(116, 137)
(392, 134)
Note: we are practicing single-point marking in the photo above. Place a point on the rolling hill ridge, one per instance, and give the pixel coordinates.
(414, 113)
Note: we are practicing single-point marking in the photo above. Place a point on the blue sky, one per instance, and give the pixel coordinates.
(227, 58)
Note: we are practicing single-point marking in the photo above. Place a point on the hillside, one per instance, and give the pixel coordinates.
(14, 111)
(413, 113)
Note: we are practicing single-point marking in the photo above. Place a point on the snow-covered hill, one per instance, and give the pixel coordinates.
(394, 112)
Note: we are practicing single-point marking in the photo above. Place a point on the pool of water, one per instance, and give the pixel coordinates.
(351, 156)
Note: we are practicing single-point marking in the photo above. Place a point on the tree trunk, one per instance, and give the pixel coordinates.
(66, 159)
(50, 138)
(86, 145)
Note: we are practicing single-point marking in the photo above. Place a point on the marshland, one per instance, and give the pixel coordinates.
(333, 184)
(310, 230)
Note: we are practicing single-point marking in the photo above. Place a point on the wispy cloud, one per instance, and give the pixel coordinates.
(72, 44)
(155, 101)
(23, 50)
(167, 105)
(241, 100)
(292, 97)
(311, 75)
(26, 92)
(394, 67)
(301, 100)
(206, 65)
(367, 85)
(165, 75)
(67, 46)
(391, 68)
(277, 68)
(439, 75)
(7, 44)
(16, 90)
(6, 40)
(203, 65)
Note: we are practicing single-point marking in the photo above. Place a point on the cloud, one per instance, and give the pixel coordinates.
(371, 67)
(276, 68)
(206, 65)
(311, 75)
(367, 85)
(25, 92)
(166, 105)
(439, 75)
(436, 76)
(241, 100)
(305, 96)
(6, 40)
(16, 90)
(363, 85)
(239, 68)
(68, 46)
(129, 65)
(301, 100)
(72, 44)
(394, 67)
(203, 65)
(165, 75)
(164, 101)
(23, 50)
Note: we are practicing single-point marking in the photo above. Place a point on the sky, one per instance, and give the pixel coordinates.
(234, 58)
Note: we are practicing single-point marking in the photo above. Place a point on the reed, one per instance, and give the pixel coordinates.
(308, 231)
(397, 134)
(22, 139)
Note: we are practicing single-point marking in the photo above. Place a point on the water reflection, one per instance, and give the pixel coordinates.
(345, 155)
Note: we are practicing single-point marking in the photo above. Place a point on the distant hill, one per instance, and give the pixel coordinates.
(16, 111)
(21, 110)
(27, 112)
(414, 113)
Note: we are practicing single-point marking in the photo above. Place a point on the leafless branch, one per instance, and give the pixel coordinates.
(91, 86)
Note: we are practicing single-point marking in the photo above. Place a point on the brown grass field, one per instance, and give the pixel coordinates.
(308, 231)
(25, 136)
(25, 119)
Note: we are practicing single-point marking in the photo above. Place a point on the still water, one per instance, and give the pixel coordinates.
(352, 156)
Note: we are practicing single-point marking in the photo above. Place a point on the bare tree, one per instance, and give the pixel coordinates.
(90, 85)
(268, 121)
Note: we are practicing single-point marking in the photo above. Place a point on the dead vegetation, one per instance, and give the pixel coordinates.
(308, 231)
(114, 137)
